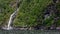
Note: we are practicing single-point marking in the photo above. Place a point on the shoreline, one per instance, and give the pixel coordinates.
(26, 28)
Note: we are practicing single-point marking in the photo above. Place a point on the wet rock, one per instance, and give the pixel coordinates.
(58, 28)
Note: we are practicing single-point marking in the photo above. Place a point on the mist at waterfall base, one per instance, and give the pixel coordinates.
(9, 27)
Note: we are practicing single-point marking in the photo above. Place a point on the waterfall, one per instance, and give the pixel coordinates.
(10, 20)
(12, 16)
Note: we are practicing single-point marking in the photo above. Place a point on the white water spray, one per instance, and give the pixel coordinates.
(10, 20)
(8, 27)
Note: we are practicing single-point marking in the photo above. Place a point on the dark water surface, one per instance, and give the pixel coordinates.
(28, 32)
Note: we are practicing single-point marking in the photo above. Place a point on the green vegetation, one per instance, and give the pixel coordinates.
(31, 13)
(5, 11)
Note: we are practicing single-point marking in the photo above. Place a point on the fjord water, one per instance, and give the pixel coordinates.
(28, 32)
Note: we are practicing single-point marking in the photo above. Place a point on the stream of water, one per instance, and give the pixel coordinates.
(11, 20)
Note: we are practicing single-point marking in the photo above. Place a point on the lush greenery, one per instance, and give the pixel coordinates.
(31, 13)
(5, 11)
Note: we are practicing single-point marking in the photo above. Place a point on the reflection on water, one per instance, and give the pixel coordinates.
(28, 32)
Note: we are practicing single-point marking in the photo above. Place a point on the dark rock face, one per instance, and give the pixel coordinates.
(37, 27)
(54, 1)
(52, 10)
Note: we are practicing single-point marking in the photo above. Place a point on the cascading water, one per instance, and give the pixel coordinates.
(10, 20)
(8, 27)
